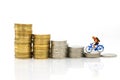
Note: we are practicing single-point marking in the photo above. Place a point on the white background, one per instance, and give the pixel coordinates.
(72, 20)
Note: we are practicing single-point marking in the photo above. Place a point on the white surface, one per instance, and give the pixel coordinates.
(72, 20)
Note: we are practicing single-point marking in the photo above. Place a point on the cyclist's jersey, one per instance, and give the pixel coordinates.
(95, 43)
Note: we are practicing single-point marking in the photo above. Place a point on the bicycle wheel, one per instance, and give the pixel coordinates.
(100, 48)
(88, 49)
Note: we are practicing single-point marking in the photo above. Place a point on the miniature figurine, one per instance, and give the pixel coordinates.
(96, 41)
(95, 45)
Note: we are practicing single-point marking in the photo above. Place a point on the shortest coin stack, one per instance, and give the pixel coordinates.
(93, 54)
(59, 49)
(76, 52)
(41, 46)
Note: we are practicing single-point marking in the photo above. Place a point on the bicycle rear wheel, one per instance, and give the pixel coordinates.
(88, 49)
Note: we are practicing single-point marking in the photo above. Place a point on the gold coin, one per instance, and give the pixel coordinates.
(41, 51)
(24, 46)
(41, 42)
(18, 27)
(46, 46)
(22, 56)
(28, 36)
(44, 36)
(40, 56)
(23, 40)
(23, 33)
(27, 27)
(23, 27)
(41, 47)
(22, 50)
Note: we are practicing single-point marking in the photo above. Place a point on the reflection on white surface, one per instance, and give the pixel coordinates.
(58, 66)
(40, 70)
(23, 69)
(95, 65)
(31, 69)
(75, 63)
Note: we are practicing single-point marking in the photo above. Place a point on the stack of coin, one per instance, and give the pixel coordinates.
(23, 36)
(76, 52)
(41, 46)
(92, 55)
(59, 49)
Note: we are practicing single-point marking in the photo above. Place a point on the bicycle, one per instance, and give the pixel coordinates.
(99, 48)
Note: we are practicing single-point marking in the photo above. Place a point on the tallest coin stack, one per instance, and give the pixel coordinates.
(23, 37)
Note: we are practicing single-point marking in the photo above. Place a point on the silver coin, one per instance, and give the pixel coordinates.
(109, 55)
(59, 50)
(89, 55)
(75, 55)
(58, 43)
(76, 52)
(58, 55)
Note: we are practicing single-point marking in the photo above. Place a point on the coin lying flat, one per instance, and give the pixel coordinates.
(23, 33)
(19, 36)
(23, 40)
(41, 47)
(23, 27)
(22, 45)
(59, 43)
(22, 56)
(109, 55)
(41, 36)
(22, 51)
(41, 56)
(41, 42)
(41, 51)
(58, 55)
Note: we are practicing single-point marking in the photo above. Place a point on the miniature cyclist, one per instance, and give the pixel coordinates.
(96, 41)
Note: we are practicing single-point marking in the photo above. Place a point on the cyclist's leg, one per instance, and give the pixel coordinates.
(96, 46)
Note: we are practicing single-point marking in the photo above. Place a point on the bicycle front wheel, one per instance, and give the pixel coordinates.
(100, 48)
